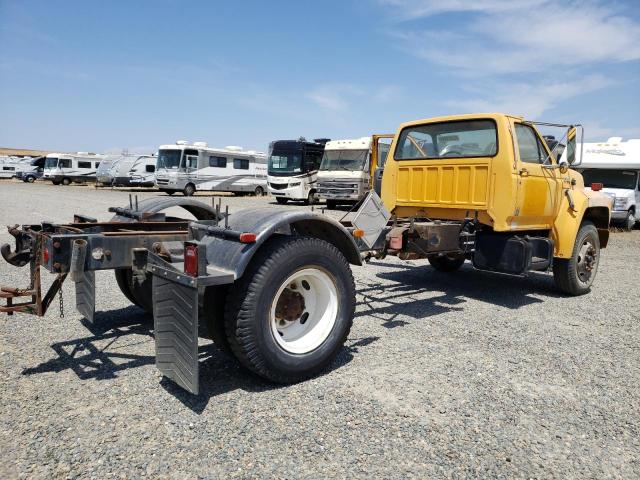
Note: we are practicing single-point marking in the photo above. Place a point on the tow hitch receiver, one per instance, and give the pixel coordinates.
(175, 316)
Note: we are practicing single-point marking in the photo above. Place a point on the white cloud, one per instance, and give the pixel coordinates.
(341, 96)
(412, 9)
(526, 99)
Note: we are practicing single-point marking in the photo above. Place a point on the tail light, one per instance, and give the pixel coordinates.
(596, 187)
(247, 237)
(191, 260)
(45, 255)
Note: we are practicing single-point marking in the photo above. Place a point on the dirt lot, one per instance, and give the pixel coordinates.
(460, 375)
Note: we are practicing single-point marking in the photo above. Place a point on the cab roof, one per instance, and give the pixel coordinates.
(466, 116)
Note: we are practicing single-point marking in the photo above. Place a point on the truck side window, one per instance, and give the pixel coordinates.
(528, 145)
(64, 163)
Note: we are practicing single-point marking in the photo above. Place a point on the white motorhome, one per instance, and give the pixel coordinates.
(127, 170)
(12, 165)
(143, 171)
(185, 168)
(64, 168)
(616, 165)
(345, 173)
(293, 169)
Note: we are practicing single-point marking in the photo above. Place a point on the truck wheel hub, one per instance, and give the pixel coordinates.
(587, 261)
(304, 310)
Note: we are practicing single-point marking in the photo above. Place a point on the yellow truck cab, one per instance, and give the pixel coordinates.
(495, 173)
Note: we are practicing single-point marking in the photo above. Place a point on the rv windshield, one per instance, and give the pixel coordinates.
(285, 163)
(169, 159)
(51, 162)
(351, 160)
(610, 178)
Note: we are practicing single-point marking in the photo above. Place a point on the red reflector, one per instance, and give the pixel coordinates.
(191, 260)
(45, 255)
(596, 187)
(247, 237)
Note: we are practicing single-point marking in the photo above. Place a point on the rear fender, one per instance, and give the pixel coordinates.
(265, 222)
(199, 210)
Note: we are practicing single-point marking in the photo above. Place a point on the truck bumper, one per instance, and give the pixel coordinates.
(618, 215)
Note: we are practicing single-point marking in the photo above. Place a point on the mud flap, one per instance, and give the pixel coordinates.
(86, 294)
(175, 317)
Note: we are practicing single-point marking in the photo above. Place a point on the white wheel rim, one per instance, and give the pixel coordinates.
(306, 327)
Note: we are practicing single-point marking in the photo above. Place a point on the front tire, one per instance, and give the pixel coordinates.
(55, 182)
(289, 315)
(311, 198)
(66, 181)
(575, 275)
(258, 192)
(30, 179)
(447, 263)
(629, 221)
(332, 204)
(282, 200)
(189, 190)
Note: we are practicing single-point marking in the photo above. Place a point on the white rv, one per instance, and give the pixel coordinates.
(293, 169)
(64, 168)
(616, 165)
(185, 168)
(345, 173)
(143, 171)
(127, 170)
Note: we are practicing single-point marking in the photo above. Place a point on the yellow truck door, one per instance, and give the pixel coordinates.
(539, 188)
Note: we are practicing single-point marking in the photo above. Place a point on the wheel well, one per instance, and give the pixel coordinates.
(330, 233)
(600, 218)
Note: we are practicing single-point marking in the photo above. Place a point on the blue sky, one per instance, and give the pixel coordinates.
(103, 76)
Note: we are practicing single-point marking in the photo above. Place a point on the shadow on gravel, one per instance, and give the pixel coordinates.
(220, 373)
(404, 297)
(97, 356)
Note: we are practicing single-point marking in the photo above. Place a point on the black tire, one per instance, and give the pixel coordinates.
(248, 308)
(139, 294)
(189, 190)
(169, 192)
(569, 274)
(447, 263)
(258, 192)
(281, 200)
(55, 182)
(629, 221)
(66, 181)
(122, 278)
(332, 204)
(311, 198)
(30, 179)
(213, 303)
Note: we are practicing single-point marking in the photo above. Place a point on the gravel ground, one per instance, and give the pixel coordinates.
(461, 375)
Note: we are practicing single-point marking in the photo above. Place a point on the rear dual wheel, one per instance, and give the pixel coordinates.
(139, 294)
(290, 313)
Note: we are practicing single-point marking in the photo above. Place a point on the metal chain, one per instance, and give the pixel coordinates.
(61, 306)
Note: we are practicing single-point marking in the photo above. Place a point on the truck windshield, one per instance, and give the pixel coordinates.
(351, 160)
(285, 162)
(51, 162)
(459, 139)
(169, 159)
(611, 178)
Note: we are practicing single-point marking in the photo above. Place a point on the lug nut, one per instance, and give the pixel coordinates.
(56, 244)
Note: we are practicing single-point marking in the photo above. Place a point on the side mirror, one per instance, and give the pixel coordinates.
(572, 136)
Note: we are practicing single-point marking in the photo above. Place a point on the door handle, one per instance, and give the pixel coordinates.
(524, 172)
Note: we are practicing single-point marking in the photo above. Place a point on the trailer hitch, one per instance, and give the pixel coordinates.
(23, 253)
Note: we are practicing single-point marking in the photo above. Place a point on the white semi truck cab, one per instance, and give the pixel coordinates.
(614, 167)
(346, 169)
(292, 173)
